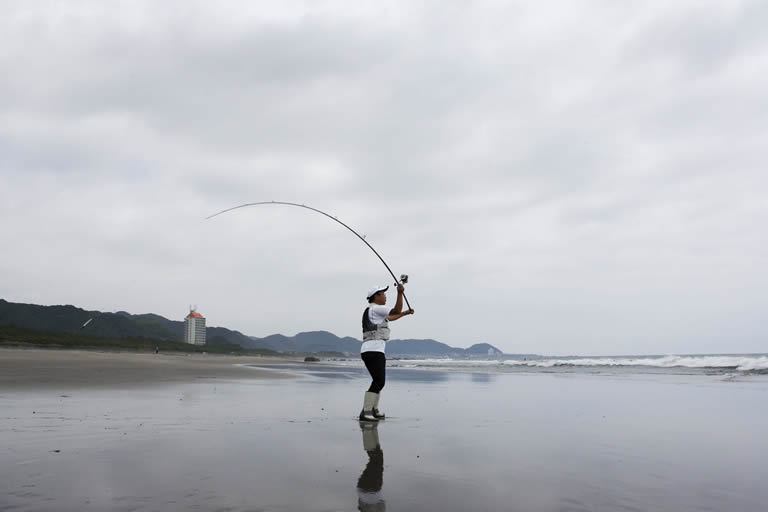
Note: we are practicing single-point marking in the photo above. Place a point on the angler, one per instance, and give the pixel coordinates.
(376, 318)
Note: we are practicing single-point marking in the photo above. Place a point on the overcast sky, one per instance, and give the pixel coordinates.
(556, 177)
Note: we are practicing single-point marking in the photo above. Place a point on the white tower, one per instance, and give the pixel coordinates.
(194, 328)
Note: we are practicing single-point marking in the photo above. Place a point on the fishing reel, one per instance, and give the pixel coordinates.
(404, 278)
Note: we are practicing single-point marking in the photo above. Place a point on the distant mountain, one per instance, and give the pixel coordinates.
(70, 319)
(483, 349)
(323, 341)
(313, 341)
(421, 347)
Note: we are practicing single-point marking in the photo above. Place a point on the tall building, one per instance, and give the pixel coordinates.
(194, 328)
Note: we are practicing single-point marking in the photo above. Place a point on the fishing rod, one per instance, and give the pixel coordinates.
(403, 277)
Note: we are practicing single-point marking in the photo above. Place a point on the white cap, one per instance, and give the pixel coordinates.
(374, 291)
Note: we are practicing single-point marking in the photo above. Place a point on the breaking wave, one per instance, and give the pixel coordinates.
(742, 363)
(745, 363)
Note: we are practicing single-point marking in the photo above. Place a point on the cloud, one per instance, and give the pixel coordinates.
(555, 179)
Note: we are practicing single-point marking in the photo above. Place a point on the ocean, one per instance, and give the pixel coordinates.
(707, 364)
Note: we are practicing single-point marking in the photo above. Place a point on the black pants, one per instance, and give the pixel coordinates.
(376, 362)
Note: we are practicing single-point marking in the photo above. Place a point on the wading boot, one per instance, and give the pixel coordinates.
(367, 413)
(376, 412)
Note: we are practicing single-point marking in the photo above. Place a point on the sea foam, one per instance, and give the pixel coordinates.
(721, 362)
(671, 361)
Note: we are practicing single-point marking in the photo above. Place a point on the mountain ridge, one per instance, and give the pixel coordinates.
(70, 319)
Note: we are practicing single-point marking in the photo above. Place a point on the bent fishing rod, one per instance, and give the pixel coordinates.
(403, 277)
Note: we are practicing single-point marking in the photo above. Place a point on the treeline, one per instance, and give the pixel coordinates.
(14, 336)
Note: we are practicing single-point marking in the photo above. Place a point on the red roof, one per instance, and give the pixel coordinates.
(194, 314)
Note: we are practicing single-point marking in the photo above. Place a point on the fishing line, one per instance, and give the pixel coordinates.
(403, 277)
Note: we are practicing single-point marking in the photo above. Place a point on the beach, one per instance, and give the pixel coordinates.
(106, 431)
(66, 369)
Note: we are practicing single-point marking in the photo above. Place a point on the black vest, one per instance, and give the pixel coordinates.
(371, 331)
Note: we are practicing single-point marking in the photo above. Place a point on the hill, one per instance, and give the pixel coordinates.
(70, 319)
(121, 325)
(483, 349)
(13, 336)
(323, 341)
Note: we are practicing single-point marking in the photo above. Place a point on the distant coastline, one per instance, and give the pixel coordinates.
(67, 326)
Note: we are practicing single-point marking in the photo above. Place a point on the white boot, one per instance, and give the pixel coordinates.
(376, 412)
(367, 413)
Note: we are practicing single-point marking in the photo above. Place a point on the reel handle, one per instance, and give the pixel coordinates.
(404, 280)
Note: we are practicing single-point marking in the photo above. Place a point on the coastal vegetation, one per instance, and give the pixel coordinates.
(14, 336)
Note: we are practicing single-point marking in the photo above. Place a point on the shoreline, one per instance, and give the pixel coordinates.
(243, 440)
(41, 368)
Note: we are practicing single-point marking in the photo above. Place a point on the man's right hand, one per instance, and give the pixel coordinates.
(400, 288)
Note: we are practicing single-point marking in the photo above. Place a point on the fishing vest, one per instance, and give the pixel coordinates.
(371, 331)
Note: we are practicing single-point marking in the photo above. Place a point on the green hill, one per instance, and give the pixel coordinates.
(14, 336)
(70, 319)
(108, 328)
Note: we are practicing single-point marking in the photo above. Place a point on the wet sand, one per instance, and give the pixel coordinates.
(44, 368)
(453, 442)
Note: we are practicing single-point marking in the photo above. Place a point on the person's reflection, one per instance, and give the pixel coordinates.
(369, 498)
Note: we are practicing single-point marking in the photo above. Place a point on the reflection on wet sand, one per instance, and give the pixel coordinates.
(483, 377)
(369, 497)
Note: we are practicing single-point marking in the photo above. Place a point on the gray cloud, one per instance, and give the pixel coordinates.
(554, 179)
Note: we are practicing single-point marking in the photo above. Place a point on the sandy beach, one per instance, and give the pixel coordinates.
(44, 368)
(143, 433)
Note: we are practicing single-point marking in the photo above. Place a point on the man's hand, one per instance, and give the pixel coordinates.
(408, 312)
(397, 310)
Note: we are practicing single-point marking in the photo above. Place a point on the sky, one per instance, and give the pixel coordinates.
(555, 177)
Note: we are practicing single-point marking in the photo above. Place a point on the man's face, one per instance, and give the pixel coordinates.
(380, 298)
